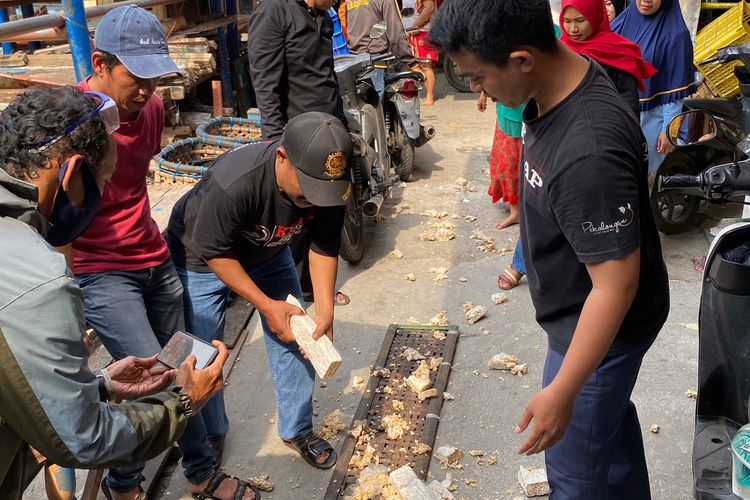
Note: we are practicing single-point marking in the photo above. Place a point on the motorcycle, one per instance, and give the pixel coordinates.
(384, 133)
(401, 112)
(724, 347)
(676, 212)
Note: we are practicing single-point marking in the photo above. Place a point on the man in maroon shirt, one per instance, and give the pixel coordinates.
(133, 296)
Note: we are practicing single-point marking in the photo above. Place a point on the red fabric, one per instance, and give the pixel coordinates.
(603, 45)
(505, 167)
(124, 237)
(422, 48)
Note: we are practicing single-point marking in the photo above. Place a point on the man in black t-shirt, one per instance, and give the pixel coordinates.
(593, 257)
(232, 230)
(290, 50)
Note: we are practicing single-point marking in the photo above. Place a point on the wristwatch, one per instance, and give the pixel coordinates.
(184, 400)
(104, 396)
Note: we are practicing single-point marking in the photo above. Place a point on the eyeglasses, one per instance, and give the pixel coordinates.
(107, 111)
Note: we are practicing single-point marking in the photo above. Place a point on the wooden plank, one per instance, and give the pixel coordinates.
(174, 92)
(321, 353)
(217, 99)
(236, 317)
(15, 60)
(50, 60)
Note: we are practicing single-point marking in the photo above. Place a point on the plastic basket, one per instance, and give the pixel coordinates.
(223, 130)
(731, 28)
(187, 160)
(339, 41)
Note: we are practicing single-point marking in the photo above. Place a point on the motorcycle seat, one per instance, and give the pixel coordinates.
(725, 108)
(393, 77)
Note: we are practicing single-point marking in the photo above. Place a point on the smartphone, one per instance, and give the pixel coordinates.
(182, 345)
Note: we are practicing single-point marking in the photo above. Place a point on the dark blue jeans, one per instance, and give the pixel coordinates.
(293, 377)
(135, 313)
(517, 261)
(601, 456)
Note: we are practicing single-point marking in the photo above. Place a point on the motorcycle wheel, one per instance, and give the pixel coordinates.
(674, 212)
(454, 76)
(404, 157)
(353, 233)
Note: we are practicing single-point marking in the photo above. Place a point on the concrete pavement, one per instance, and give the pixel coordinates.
(488, 403)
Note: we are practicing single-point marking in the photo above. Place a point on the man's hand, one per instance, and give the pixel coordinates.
(482, 102)
(200, 385)
(663, 145)
(550, 410)
(324, 327)
(278, 314)
(133, 377)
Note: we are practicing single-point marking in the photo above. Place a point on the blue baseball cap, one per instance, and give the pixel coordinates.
(137, 38)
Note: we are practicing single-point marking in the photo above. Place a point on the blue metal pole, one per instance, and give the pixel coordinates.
(78, 37)
(233, 36)
(7, 46)
(27, 11)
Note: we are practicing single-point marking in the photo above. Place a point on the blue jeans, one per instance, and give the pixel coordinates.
(135, 313)
(377, 75)
(653, 122)
(601, 456)
(293, 377)
(517, 261)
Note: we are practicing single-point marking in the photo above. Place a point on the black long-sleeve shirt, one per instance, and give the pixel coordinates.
(627, 86)
(291, 63)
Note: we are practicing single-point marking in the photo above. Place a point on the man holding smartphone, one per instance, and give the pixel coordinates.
(232, 231)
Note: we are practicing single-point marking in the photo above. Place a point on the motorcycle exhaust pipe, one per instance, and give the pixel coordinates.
(373, 205)
(425, 134)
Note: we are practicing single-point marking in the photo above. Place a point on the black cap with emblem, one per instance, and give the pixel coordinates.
(319, 147)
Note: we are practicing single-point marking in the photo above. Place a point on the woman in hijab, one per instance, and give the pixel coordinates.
(586, 31)
(614, 7)
(658, 27)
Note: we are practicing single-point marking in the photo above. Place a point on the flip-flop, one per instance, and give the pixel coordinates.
(344, 302)
(509, 278)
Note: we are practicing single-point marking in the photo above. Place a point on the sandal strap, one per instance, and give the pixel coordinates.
(215, 482)
(239, 492)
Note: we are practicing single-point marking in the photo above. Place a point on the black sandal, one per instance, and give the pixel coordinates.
(215, 482)
(310, 446)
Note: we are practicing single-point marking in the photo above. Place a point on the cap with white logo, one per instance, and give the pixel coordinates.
(137, 38)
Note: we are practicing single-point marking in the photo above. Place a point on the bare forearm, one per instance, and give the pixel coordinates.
(323, 276)
(600, 320)
(229, 270)
(425, 15)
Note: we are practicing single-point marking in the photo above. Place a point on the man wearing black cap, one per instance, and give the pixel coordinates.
(232, 231)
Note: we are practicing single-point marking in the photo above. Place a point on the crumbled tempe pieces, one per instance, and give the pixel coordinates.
(502, 361)
(262, 482)
(330, 426)
(395, 426)
(475, 314)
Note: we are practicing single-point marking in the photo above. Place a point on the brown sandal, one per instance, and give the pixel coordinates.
(509, 278)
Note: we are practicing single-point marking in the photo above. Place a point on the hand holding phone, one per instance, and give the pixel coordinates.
(182, 345)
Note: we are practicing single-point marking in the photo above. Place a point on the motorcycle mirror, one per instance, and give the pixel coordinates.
(407, 11)
(692, 127)
(378, 30)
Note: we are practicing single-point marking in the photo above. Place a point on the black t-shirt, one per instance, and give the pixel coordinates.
(237, 207)
(584, 199)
